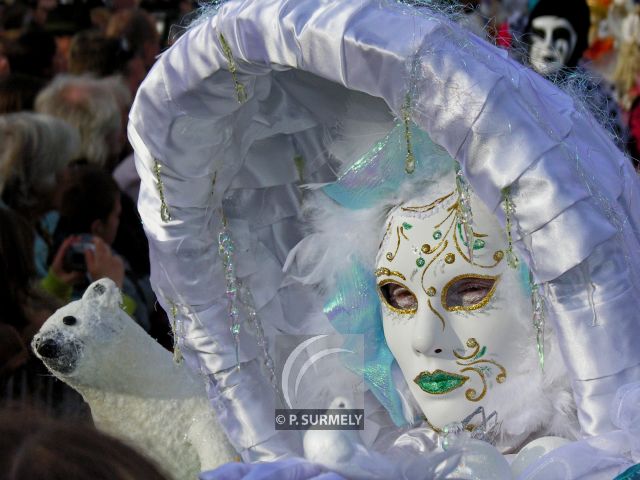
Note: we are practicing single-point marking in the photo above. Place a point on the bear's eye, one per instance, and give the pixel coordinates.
(69, 320)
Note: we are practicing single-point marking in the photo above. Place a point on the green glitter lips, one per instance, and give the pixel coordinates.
(439, 382)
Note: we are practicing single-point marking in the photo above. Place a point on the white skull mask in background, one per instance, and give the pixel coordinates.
(449, 322)
(553, 41)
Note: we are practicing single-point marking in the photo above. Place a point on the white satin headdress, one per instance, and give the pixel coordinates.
(249, 103)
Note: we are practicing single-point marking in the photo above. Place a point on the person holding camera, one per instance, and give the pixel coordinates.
(89, 221)
(98, 261)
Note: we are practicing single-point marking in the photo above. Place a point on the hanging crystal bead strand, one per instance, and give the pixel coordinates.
(465, 215)
(247, 300)
(225, 249)
(410, 161)
(537, 303)
(176, 326)
(509, 211)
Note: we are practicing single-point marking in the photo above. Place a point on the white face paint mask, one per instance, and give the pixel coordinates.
(450, 323)
(553, 40)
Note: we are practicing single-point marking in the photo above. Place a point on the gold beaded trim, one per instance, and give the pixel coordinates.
(241, 93)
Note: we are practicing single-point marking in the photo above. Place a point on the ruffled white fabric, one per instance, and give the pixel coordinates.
(298, 60)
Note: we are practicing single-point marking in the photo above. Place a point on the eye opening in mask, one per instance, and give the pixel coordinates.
(468, 292)
(398, 297)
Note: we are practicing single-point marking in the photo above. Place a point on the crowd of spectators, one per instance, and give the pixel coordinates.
(69, 71)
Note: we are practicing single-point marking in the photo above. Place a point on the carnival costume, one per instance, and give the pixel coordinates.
(370, 105)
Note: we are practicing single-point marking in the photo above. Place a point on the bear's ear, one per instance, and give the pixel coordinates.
(105, 293)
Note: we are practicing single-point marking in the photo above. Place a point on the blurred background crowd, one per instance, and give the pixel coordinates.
(69, 70)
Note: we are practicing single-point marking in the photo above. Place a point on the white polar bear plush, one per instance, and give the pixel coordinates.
(134, 388)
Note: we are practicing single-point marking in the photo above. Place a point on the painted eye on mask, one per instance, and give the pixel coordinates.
(468, 292)
(398, 297)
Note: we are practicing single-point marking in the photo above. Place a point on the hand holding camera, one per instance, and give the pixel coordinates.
(81, 254)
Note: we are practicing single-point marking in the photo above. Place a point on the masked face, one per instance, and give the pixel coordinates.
(553, 40)
(449, 319)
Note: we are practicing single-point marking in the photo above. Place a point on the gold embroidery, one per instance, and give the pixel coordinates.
(475, 306)
(241, 93)
(450, 258)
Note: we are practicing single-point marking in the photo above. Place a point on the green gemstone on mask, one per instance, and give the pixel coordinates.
(420, 262)
(437, 235)
(478, 244)
(407, 226)
(439, 382)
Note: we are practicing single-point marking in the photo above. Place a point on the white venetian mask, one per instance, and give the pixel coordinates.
(553, 40)
(449, 321)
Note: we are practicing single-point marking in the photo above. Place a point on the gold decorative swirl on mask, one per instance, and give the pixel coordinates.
(399, 233)
(433, 259)
(501, 377)
(471, 393)
(436, 313)
(426, 208)
(451, 210)
(470, 363)
(390, 273)
(497, 256)
(475, 306)
(471, 343)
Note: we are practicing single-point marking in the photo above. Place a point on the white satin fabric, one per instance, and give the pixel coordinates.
(575, 193)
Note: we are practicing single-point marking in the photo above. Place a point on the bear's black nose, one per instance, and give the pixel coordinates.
(69, 320)
(48, 349)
